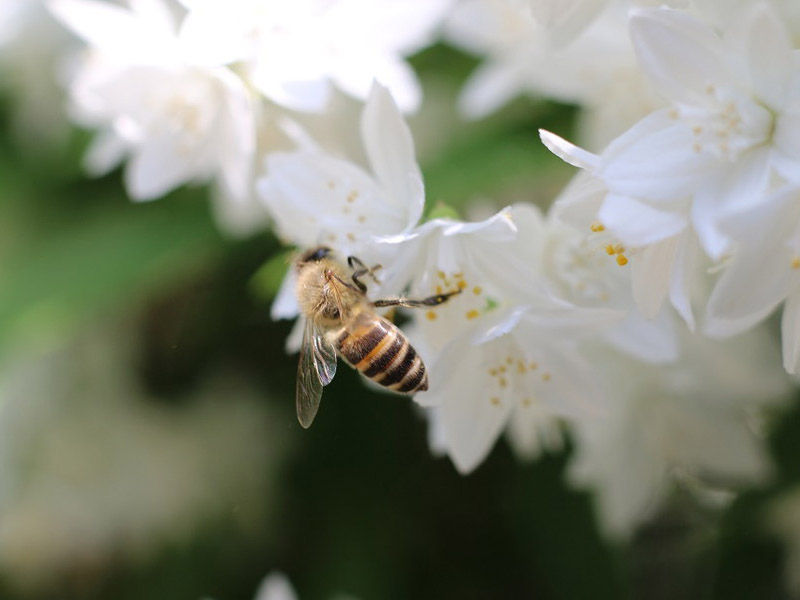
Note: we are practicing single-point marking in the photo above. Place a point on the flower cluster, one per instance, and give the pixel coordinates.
(561, 325)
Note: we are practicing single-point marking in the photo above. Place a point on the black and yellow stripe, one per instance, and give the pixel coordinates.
(382, 352)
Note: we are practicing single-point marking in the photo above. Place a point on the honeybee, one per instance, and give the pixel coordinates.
(342, 321)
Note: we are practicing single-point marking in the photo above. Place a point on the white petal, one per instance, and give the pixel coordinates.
(656, 160)
(156, 167)
(471, 421)
(275, 586)
(491, 86)
(679, 288)
(285, 304)
(770, 56)
(638, 224)
(390, 150)
(106, 151)
(650, 276)
(759, 275)
(679, 53)
(790, 334)
(651, 340)
(114, 30)
(394, 73)
(569, 153)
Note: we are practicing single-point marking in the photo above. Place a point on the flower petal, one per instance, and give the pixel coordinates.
(638, 224)
(679, 53)
(390, 149)
(650, 275)
(790, 334)
(569, 153)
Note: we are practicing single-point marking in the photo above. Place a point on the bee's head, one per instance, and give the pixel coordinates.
(314, 255)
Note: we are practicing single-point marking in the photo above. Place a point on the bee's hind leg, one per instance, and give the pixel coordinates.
(359, 270)
(435, 300)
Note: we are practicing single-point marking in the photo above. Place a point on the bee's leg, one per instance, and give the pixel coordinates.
(412, 303)
(331, 275)
(359, 270)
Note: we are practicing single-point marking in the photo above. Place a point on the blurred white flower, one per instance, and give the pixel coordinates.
(275, 586)
(293, 51)
(92, 470)
(693, 416)
(502, 353)
(178, 118)
(596, 69)
(31, 46)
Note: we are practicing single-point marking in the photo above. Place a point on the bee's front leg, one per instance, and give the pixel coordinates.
(359, 270)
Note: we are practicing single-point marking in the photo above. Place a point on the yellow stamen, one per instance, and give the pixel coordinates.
(622, 260)
(477, 290)
(473, 314)
(461, 284)
(796, 262)
(545, 376)
(610, 250)
(494, 401)
(431, 315)
(597, 227)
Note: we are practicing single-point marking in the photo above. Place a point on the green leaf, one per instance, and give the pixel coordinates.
(113, 256)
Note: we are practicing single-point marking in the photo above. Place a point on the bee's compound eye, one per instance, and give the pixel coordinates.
(317, 254)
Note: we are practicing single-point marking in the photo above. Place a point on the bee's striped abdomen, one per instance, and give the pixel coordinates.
(381, 352)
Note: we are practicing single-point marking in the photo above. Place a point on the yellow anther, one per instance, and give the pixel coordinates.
(362, 219)
(546, 376)
(351, 197)
(477, 290)
(459, 275)
(597, 226)
(441, 275)
(493, 372)
(610, 250)
(473, 314)
(619, 248)
(431, 315)
(494, 401)
(622, 260)
(461, 284)
(439, 289)
(503, 382)
(521, 367)
(796, 262)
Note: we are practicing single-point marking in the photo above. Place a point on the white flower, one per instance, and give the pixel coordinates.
(293, 51)
(691, 417)
(502, 353)
(597, 69)
(275, 586)
(179, 119)
(317, 198)
(585, 268)
(666, 268)
(732, 124)
(763, 272)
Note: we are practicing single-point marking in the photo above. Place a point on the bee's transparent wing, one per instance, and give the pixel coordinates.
(316, 369)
